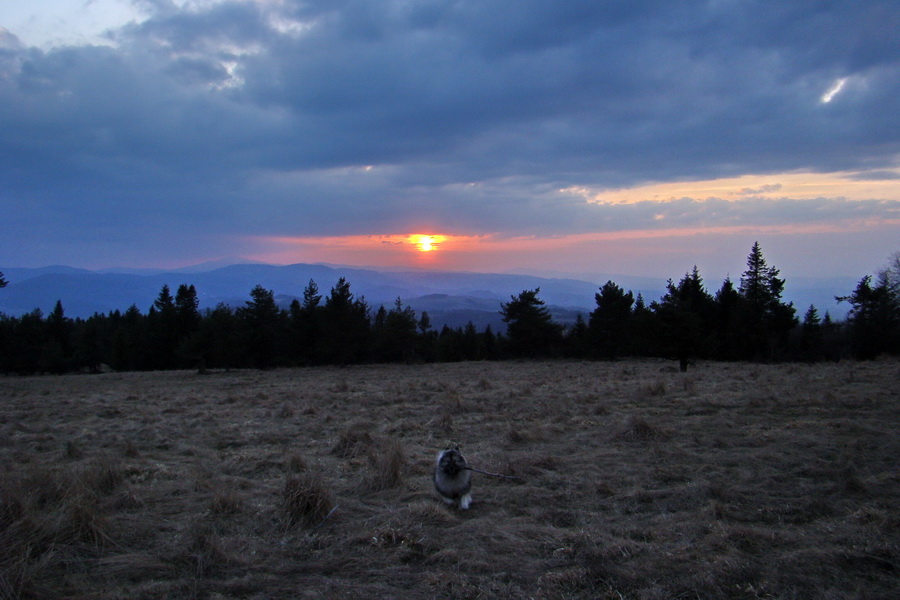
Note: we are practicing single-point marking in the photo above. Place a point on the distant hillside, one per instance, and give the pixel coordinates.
(451, 298)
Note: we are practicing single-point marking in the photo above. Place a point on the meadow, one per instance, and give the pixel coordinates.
(634, 481)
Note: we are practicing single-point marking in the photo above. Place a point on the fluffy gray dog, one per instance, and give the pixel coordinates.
(452, 478)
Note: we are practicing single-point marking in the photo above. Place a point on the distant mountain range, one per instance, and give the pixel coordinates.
(451, 298)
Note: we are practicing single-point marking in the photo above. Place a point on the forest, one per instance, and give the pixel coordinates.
(746, 320)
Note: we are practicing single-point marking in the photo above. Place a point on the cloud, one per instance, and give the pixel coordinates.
(231, 117)
(765, 189)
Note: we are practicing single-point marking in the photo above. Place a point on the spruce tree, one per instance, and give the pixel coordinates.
(263, 328)
(345, 326)
(685, 316)
(529, 326)
(766, 320)
(874, 318)
(610, 323)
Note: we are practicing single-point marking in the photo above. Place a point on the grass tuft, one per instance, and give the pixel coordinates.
(385, 467)
(306, 500)
(640, 429)
(652, 389)
(353, 443)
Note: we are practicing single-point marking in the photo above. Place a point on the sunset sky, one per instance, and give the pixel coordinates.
(576, 138)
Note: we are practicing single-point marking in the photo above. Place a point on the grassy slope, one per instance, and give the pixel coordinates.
(732, 481)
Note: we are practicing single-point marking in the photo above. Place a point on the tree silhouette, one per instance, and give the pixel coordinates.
(874, 318)
(529, 326)
(726, 325)
(3, 281)
(55, 356)
(345, 326)
(397, 334)
(766, 320)
(811, 335)
(684, 315)
(162, 326)
(261, 318)
(306, 324)
(610, 323)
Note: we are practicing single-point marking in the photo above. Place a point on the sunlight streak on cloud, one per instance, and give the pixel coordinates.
(834, 90)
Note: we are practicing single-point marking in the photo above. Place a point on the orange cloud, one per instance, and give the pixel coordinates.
(795, 185)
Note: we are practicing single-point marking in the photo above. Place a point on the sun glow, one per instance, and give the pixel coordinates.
(426, 243)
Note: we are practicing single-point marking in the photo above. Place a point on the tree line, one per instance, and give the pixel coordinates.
(747, 320)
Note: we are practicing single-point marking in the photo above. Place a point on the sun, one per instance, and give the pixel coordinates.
(426, 243)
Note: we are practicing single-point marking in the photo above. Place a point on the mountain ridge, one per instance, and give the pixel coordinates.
(448, 296)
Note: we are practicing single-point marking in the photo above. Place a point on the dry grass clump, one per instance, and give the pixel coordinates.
(638, 428)
(306, 500)
(353, 443)
(652, 389)
(385, 467)
(295, 463)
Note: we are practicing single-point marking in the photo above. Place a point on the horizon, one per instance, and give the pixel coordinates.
(575, 138)
(800, 291)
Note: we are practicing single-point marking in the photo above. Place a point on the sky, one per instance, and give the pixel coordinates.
(571, 138)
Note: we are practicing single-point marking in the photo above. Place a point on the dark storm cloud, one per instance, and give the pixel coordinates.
(251, 117)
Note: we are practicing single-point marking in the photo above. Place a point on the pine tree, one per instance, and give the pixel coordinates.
(162, 325)
(187, 310)
(55, 356)
(3, 281)
(346, 326)
(307, 324)
(262, 320)
(811, 335)
(529, 327)
(610, 323)
(685, 316)
(766, 319)
(727, 344)
(874, 318)
(399, 333)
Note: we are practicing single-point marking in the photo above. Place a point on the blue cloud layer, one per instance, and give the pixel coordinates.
(252, 118)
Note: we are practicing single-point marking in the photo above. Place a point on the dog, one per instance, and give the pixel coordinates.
(452, 478)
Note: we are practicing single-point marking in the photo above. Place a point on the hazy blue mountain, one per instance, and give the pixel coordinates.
(453, 298)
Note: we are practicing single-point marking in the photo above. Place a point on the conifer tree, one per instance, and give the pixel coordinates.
(346, 326)
(306, 323)
(728, 345)
(610, 322)
(684, 316)
(811, 335)
(529, 327)
(262, 320)
(55, 356)
(874, 318)
(766, 319)
(400, 333)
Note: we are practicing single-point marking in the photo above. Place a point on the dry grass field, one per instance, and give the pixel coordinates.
(637, 481)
